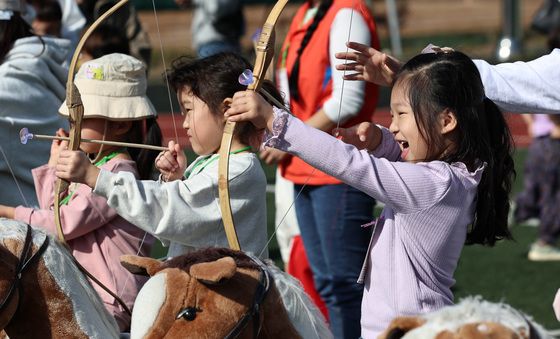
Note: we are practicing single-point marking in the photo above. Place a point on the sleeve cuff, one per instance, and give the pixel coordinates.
(275, 138)
(388, 147)
(104, 183)
(23, 214)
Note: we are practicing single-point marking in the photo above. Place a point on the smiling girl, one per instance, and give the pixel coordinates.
(443, 170)
(182, 208)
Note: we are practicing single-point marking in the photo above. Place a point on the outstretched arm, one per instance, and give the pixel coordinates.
(524, 87)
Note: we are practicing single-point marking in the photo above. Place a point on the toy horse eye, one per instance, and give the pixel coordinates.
(188, 313)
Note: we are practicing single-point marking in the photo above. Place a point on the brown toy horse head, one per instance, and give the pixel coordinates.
(211, 293)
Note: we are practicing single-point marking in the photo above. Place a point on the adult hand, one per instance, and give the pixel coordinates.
(75, 166)
(57, 146)
(368, 64)
(172, 163)
(250, 106)
(364, 135)
(272, 156)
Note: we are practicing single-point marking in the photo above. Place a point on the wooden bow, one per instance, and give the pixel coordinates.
(264, 54)
(76, 113)
(75, 116)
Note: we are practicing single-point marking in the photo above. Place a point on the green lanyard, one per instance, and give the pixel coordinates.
(203, 162)
(101, 162)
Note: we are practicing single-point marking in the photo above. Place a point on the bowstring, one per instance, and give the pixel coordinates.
(337, 126)
(165, 72)
(172, 118)
(14, 176)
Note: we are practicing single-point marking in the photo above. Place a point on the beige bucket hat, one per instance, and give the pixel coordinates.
(113, 87)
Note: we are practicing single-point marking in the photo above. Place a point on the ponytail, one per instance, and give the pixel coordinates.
(294, 75)
(492, 205)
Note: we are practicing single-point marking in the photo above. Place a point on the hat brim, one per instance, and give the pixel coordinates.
(114, 108)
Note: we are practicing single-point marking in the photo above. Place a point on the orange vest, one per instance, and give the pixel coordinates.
(315, 81)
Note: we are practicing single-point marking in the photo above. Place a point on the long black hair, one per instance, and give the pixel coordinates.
(294, 75)
(215, 78)
(148, 132)
(10, 31)
(435, 82)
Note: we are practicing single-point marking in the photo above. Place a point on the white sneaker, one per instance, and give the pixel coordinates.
(544, 252)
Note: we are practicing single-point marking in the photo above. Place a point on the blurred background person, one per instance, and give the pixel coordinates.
(217, 25)
(125, 18)
(540, 197)
(48, 18)
(106, 39)
(32, 88)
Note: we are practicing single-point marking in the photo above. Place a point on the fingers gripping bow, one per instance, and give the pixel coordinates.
(265, 53)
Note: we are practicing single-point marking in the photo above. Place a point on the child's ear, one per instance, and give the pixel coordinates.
(226, 104)
(448, 121)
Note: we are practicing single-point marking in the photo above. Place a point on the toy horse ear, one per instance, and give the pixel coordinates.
(399, 326)
(141, 265)
(215, 271)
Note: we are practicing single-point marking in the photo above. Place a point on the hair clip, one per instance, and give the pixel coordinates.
(436, 49)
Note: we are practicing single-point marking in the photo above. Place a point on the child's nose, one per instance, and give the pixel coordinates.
(393, 127)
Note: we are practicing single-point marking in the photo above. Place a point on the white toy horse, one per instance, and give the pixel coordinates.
(472, 318)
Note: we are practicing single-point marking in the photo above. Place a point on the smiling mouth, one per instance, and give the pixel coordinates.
(404, 148)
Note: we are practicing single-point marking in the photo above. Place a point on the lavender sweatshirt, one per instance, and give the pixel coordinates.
(420, 234)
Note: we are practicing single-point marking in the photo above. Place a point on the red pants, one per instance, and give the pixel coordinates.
(299, 268)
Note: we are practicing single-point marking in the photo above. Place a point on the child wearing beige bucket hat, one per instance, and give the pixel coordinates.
(183, 209)
(113, 91)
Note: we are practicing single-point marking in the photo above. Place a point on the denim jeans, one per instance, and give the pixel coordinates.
(330, 219)
(215, 47)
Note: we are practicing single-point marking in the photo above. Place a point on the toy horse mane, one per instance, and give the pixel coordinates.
(53, 293)
(185, 262)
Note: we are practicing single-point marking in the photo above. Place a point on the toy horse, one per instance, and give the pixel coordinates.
(472, 318)
(42, 293)
(220, 293)
(201, 295)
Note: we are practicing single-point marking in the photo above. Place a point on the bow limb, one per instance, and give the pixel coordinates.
(76, 113)
(264, 54)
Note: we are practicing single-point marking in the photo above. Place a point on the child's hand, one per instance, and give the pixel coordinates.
(250, 106)
(364, 135)
(272, 156)
(75, 166)
(7, 212)
(57, 146)
(172, 163)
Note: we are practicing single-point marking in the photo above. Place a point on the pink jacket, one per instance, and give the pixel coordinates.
(97, 235)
